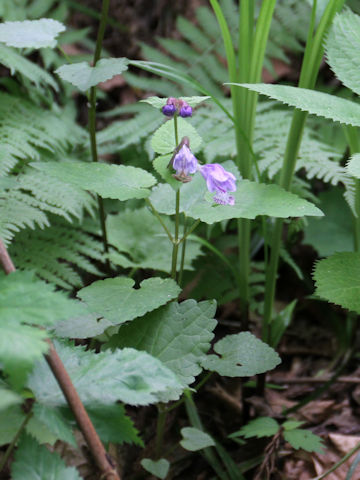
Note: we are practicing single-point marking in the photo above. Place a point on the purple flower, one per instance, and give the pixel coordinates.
(184, 162)
(185, 110)
(219, 181)
(170, 108)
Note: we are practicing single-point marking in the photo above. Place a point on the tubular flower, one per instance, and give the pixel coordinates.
(184, 162)
(220, 182)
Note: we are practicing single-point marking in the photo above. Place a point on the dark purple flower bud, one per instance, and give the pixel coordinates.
(185, 110)
(168, 110)
(171, 107)
(219, 181)
(184, 163)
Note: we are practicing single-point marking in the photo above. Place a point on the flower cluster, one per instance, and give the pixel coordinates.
(218, 180)
(176, 105)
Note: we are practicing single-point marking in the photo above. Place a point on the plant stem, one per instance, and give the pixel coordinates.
(177, 214)
(339, 463)
(156, 213)
(183, 251)
(160, 427)
(195, 421)
(83, 420)
(191, 229)
(176, 239)
(92, 118)
(352, 135)
(309, 71)
(14, 440)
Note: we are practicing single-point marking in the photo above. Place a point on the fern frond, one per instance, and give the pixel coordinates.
(26, 128)
(57, 252)
(17, 63)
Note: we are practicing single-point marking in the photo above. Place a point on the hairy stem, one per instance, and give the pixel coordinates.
(92, 118)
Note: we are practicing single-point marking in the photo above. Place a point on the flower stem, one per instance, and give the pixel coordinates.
(177, 214)
(176, 239)
(183, 251)
(92, 118)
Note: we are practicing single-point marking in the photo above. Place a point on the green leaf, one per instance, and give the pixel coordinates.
(177, 334)
(337, 280)
(316, 103)
(31, 33)
(117, 301)
(158, 102)
(333, 232)
(158, 468)
(133, 377)
(260, 427)
(35, 462)
(241, 355)
(8, 398)
(10, 420)
(83, 76)
(343, 49)
(40, 432)
(109, 181)
(84, 326)
(163, 140)
(113, 425)
(55, 422)
(305, 440)
(25, 302)
(195, 439)
(139, 234)
(280, 323)
(251, 199)
(353, 166)
(291, 424)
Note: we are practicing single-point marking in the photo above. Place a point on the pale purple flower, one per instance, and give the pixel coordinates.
(185, 110)
(220, 182)
(184, 162)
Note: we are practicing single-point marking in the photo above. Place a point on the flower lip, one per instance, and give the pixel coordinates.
(220, 182)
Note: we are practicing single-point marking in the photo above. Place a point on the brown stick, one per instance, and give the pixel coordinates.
(282, 380)
(97, 449)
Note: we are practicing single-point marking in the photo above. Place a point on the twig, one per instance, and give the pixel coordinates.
(283, 380)
(92, 439)
(5, 259)
(97, 449)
